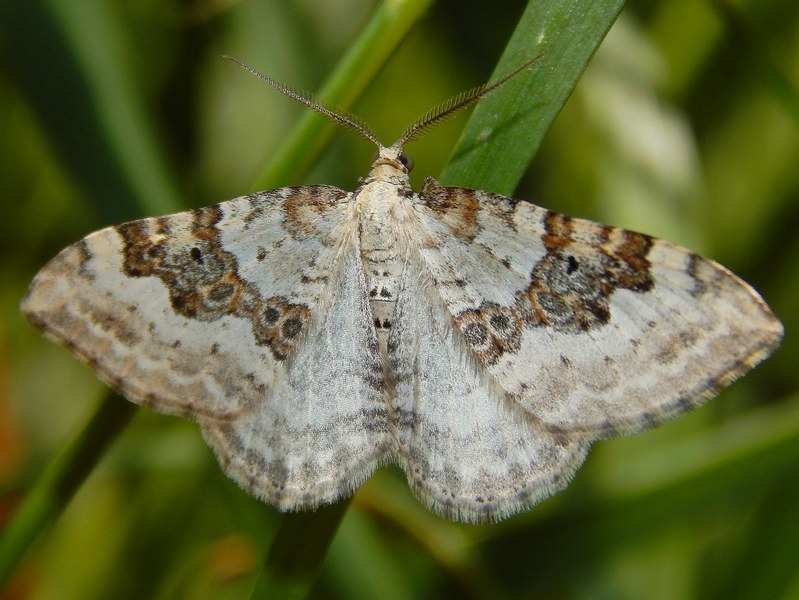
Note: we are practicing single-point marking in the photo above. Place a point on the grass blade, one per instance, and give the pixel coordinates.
(58, 483)
(380, 38)
(508, 126)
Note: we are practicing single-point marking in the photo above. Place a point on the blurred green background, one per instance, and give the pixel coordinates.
(684, 126)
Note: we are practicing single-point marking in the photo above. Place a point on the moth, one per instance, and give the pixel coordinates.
(479, 342)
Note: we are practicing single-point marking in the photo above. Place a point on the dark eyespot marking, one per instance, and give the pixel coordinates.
(292, 327)
(271, 315)
(572, 265)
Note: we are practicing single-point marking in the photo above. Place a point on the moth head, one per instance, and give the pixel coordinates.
(390, 163)
(403, 160)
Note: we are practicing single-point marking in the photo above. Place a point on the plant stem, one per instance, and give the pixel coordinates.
(55, 488)
(297, 552)
(367, 55)
(508, 126)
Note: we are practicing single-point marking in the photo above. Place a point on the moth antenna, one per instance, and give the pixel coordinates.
(448, 108)
(341, 117)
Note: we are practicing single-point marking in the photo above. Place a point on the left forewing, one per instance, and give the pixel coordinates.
(250, 317)
(197, 312)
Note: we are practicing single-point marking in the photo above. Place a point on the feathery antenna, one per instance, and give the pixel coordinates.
(342, 118)
(437, 114)
(449, 107)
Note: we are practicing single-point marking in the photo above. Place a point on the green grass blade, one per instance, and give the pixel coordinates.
(72, 58)
(693, 478)
(380, 38)
(508, 126)
(297, 551)
(58, 483)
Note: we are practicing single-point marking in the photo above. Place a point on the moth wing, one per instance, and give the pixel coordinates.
(592, 329)
(221, 314)
(469, 452)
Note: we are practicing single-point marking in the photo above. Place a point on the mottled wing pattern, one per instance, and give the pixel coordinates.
(322, 430)
(222, 314)
(592, 329)
(469, 452)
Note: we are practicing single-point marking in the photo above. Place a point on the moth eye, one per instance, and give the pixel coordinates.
(406, 160)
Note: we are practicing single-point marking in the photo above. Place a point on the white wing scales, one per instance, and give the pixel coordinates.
(517, 338)
(126, 329)
(609, 331)
(322, 430)
(250, 317)
(469, 453)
